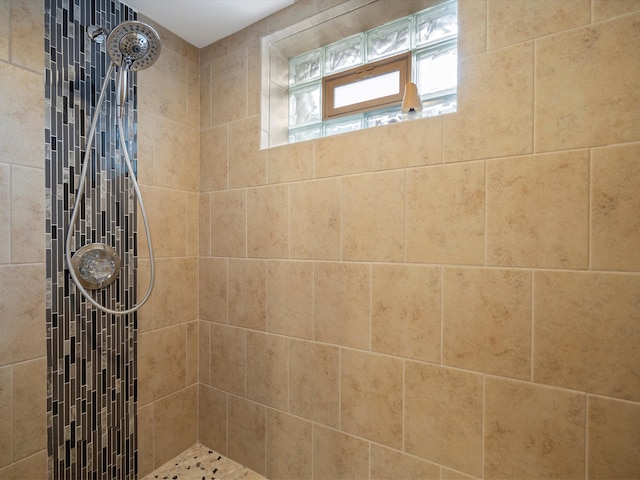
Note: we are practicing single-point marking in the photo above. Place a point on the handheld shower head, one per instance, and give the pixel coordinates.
(135, 44)
(131, 46)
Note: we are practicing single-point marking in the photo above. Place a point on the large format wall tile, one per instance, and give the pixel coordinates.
(176, 150)
(487, 321)
(394, 146)
(587, 332)
(445, 214)
(588, 102)
(387, 464)
(268, 369)
(268, 222)
(495, 106)
(533, 431)
(204, 352)
(22, 113)
(472, 27)
(443, 416)
(290, 162)
(613, 439)
(316, 219)
(314, 381)
(6, 420)
(339, 456)
(247, 163)
(167, 212)
(289, 446)
(212, 418)
(603, 9)
(27, 215)
(405, 320)
(173, 300)
(26, 34)
(29, 416)
(229, 87)
(214, 158)
(371, 397)
(342, 304)
(229, 223)
(246, 433)
(5, 29)
(228, 358)
(5, 213)
(290, 298)
(145, 439)
(516, 21)
(204, 224)
(175, 424)
(373, 217)
(615, 203)
(163, 88)
(212, 283)
(22, 307)
(34, 467)
(161, 363)
(536, 210)
(248, 293)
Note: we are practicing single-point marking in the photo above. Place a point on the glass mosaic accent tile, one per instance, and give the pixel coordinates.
(91, 374)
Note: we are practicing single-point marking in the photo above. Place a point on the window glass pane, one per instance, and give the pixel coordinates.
(440, 106)
(347, 124)
(305, 106)
(437, 70)
(305, 133)
(388, 40)
(343, 54)
(305, 68)
(436, 24)
(385, 117)
(367, 89)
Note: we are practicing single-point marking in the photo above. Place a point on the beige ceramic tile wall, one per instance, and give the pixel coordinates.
(456, 297)
(23, 435)
(168, 157)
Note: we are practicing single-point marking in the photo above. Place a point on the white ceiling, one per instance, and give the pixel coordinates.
(203, 22)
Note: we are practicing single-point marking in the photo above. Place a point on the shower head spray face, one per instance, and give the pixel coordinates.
(135, 44)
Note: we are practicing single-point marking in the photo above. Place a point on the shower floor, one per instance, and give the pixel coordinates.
(202, 463)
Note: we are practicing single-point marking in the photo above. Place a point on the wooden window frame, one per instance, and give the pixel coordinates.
(400, 63)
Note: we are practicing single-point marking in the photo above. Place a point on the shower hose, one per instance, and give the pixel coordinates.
(80, 193)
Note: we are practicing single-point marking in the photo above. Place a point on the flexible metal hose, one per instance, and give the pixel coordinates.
(80, 192)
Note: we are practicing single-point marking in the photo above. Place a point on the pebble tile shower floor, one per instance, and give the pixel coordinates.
(201, 463)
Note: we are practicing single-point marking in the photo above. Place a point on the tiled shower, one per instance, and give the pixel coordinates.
(454, 297)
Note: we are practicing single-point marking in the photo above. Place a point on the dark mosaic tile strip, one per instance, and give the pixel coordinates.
(91, 389)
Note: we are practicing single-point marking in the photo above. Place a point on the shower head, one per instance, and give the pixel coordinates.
(133, 44)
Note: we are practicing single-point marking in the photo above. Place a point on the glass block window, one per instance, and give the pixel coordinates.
(427, 39)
